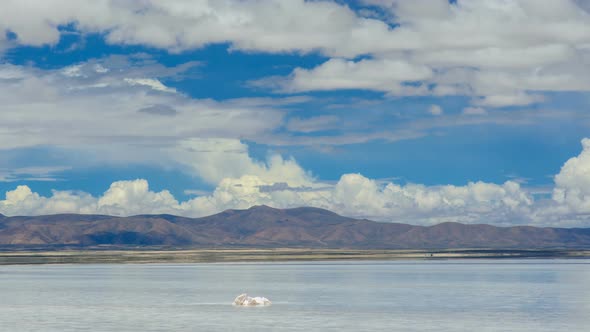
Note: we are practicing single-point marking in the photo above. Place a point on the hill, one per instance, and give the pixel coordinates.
(266, 227)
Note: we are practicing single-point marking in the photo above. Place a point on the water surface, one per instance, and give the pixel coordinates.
(454, 295)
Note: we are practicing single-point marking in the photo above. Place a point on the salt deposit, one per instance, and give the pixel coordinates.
(247, 301)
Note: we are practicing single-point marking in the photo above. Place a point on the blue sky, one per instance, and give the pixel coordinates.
(391, 110)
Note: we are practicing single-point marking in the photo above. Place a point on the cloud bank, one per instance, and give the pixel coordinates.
(499, 53)
(283, 183)
(101, 102)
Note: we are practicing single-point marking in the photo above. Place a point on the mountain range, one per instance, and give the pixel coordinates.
(266, 227)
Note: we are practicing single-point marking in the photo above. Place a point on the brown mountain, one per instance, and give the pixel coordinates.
(266, 227)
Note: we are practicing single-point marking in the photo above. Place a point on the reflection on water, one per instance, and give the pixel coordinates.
(475, 295)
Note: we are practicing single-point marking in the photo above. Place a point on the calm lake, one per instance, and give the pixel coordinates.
(454, 295)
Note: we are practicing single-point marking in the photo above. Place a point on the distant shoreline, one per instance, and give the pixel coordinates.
(268, 255)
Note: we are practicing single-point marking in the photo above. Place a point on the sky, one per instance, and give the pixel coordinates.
(422, 111)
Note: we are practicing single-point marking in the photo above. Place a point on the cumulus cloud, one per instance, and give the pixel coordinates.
(572, 184)
(379, 75)
(242, 181)
(353, 195)
(22, 201)
(122, 198)
(356, 195)
(283, 184)
(270, 25)
(501, 53)
(134, 197)
(470, 203)
(216, 159)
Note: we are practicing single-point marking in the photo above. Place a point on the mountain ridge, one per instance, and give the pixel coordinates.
(267, 227)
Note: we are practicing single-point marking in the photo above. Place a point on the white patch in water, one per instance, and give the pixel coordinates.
(244, 300)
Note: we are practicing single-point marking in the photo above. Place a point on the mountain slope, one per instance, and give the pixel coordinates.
(265, 227)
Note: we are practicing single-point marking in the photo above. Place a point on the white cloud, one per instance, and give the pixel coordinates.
(313, 124)
(511, 51)
(474, 111)
(517, 99)
(134, 197)
(435, 110)
(36, 173)
(501, 53)
(97, 116)
(270, 25)
(474, 202)
(352, 195)
(283, 183)
(149, 82)
(572, 183)
(216, 159)
(22, 201)
(196, 192)
(379, 75)
(116, 110)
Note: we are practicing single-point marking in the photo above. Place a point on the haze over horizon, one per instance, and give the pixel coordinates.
(404, 111)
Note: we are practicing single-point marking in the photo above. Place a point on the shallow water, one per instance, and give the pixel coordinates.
(470, 295)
